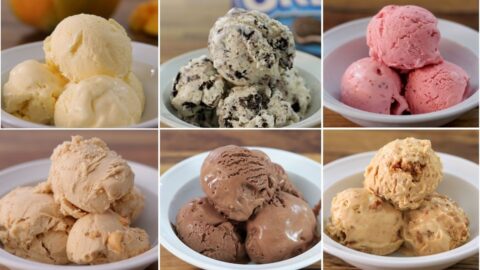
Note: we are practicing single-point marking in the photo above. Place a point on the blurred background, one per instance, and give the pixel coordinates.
(25, 21)
(174, 149)
(336, 12)
(185, 24)
(338, 144)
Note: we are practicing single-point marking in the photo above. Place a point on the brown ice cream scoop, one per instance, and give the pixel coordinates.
(284, 182)
(206, 231)
(438, 225)
(238, 181)
(284, 228)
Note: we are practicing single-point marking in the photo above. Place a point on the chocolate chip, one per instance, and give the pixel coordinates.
(206, 84)
(193, 78)
(296, 107)
(174, 92)
(248, 35)
(264, 124)
(254, 102)
(189, 105)
(240, 75)
(281, 44)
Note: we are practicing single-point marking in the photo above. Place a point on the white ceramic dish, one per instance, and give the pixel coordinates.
(181, 184)
(34, 172)
(145, 63)
(346, 43)
(308, 66)
(460, 183)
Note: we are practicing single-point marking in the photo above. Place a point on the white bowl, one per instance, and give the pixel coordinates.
(460, 183)
(346, 43)
(145, 66)
(181, 184)
(308, 66)
(33, 172)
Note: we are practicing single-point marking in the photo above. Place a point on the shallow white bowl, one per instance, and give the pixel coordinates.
(33, 172)
(145, 63)
(460, 183)
(309, 67)
(346, 43)
(181, 184)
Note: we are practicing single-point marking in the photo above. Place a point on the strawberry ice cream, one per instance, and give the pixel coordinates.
(436, 87)
(404, 37)
(372, 86)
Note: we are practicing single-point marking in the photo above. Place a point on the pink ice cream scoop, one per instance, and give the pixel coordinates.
(436, 87)
(404, 37)
(372, 86)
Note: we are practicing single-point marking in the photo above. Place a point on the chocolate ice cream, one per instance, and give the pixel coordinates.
(284, 182)
(238, 181)
(206, 231)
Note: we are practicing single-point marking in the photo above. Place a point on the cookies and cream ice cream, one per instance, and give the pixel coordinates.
(87, 177)
(404, 172)
(363, 221)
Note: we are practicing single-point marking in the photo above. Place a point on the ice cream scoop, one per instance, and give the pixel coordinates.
(87, 177)
(87, 45)
(96, 102)
(104, 238)
(238, 181)
(249, 47)
(404, 172)
(137, 87)
(206, 231)
(32, 90)
(295, 91)
(197, 90)
(32, 227)
(436, 87)
(363, 221)
(371, 86)
(284, 182)
(404, 37)
(438, 225)
(131, 205)
(282, 229)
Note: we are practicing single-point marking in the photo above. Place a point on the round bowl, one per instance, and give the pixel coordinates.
(145, 63)
(460, 182)
(181, 184)
(346, 43)
(307, 65)
(33, 172)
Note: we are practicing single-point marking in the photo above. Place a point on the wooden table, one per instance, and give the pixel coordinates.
(22, 146)
(340, 11)
(15, 32)
(339, 144)
(177, 145)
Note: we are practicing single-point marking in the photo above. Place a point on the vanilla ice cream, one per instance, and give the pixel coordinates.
(32, 90)
(137, 86)
(32, 227)
(404, 172)
(104, 238)
(131, 205)
(87, 177)
(86, 45)
(99, 101)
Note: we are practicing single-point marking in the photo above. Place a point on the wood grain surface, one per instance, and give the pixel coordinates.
(337, 12)
(177, 145)
(23, 146)
(338, 144)
(15, 32)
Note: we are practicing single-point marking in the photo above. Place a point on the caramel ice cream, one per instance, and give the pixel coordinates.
(87, 177)
(438, 225)
(32, 226)
(131, 205)
(238, 181)
(104, 238)
(404, 172)
(206, 231)
(363, 221)
(282, 229)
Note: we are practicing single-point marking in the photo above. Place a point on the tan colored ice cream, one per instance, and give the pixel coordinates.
(404, 172)
(206, 231)
(238, 181)
(104, 238)
(131, 205)
(363, 221)
(99, 101)
(86, 45)
(32, 90)
(32, 227)
(87, 177)
(438, 225)
(284, 228)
